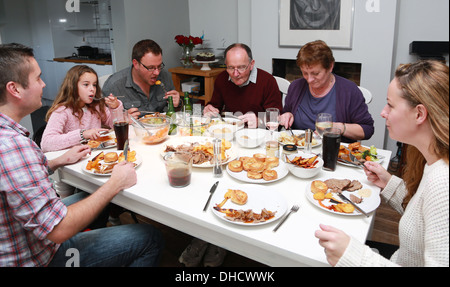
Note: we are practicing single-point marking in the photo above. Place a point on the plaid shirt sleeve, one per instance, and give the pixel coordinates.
(29, 206)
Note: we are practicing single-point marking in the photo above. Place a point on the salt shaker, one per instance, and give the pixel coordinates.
(217, 170)
(308, 140)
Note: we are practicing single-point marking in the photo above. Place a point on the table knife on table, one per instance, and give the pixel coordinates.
(125, 150)
(211, 192)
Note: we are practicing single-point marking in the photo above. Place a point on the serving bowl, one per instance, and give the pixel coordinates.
(222, 131)
(303, 172)
(156, 129)
(250, 138)
(192, 125)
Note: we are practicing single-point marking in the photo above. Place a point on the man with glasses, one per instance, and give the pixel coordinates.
(138, 82)
(243, 89)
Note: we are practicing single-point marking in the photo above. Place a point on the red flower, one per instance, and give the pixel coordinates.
(189, 41)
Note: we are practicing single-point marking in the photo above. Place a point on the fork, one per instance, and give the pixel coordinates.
(293, 209)
(102, 98)
(354, 160)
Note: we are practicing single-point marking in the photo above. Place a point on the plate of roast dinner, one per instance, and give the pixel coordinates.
(257, 168)
(201, 148)
(362, 153)
(324, 194)
(104, 162)
(297, 139)
(248, 205)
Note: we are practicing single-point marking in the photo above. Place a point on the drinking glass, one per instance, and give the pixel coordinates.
(120, 121)
(271, 120)
(324, 122)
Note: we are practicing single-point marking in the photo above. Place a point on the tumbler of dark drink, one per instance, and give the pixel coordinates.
(120, 121)
(179, 168)
(331, 142)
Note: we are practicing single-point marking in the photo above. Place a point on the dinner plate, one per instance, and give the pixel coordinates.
(259, 197)
(368, 204)
(281, 169)
(110, 143)
(299, 133)
(343, 162)
(237, 123)
(176, 141)
(137, 163)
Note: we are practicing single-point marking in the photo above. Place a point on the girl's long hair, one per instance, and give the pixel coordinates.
(68, 95)
(426, 83)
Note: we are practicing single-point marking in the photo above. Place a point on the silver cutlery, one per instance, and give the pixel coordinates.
(125, 150)
(211, 192)
(102, 98)
(343, 197)
(293, 209)
(354, 160)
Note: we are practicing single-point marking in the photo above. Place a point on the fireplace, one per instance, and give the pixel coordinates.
(288, 69)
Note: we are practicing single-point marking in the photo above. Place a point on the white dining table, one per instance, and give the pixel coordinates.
(294, 244)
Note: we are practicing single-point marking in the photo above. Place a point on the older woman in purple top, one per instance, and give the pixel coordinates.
(321, 91)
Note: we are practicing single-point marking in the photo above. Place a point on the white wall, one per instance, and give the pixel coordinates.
(418, 20)
(159, 20)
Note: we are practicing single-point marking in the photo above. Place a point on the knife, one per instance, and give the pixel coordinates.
(125, 150)
(211, 192)
(352, 203)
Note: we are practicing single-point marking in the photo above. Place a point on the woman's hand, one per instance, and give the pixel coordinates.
(286, 120)
(377, 174)
(334, 241)
(112, 102)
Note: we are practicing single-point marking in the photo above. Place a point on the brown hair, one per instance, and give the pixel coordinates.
(14, 66)
(143, 47)
(426, 83)
(313, 53)
(68, 94)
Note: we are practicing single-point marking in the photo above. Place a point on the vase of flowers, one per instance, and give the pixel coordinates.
(187, 44)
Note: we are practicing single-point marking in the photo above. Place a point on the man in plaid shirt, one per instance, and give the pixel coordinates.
(36, 227)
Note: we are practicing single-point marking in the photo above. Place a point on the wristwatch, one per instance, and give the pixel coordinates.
(83, 140)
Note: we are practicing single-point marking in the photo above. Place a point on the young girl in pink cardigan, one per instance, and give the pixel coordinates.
(75, 116)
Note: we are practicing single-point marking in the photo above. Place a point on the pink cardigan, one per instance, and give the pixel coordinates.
(63, 128)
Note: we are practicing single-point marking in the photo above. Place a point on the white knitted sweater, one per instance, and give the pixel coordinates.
(423, 228)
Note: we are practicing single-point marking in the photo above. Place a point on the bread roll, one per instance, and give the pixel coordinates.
(260, 157)
(254, 175)
(111, 157)
(318, 186)
(235, 166)
(272, 162)
(238, 196)
(270, 174)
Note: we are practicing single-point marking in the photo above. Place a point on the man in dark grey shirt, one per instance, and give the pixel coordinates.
(137, 83)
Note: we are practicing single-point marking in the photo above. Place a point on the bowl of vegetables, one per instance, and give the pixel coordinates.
(152, 129)
(192, 125)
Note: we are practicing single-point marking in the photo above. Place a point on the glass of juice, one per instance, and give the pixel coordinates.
(120, 122)
(179, 168)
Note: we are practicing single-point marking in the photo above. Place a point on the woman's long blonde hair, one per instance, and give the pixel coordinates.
(68, 94)
(426, 82)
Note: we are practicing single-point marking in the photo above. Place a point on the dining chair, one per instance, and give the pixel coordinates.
(283, 85)
(367, 94)
(102, 80)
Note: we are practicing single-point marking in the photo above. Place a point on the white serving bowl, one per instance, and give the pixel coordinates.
(222, 131)
(250, 138)
(304, 172)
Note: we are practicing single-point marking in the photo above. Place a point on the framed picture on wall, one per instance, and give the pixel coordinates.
(303, 21)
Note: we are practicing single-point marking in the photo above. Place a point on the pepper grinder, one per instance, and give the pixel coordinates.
(217, 170)
(308, 140)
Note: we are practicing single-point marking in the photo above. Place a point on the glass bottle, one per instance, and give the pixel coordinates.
(171, 114)
(187, 104)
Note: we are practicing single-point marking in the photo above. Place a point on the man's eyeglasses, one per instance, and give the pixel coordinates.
(152, 69)
(240, 69)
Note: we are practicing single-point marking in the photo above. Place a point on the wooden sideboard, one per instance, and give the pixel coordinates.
(180, 74)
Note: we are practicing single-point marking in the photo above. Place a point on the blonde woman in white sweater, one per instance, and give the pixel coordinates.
(417, 113)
